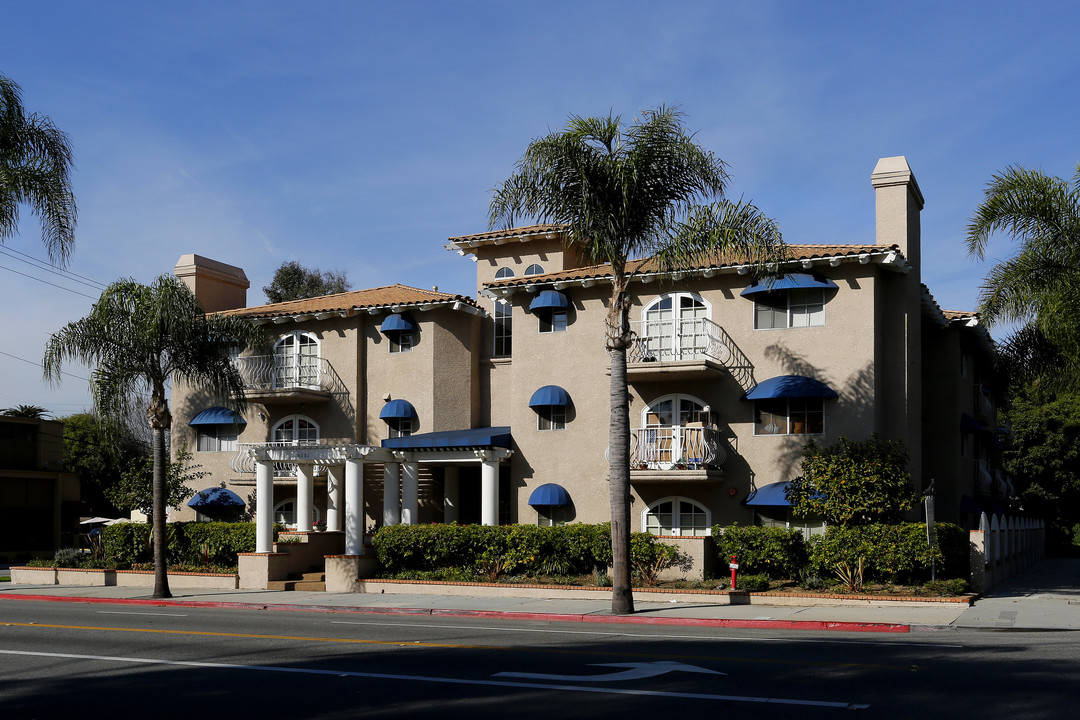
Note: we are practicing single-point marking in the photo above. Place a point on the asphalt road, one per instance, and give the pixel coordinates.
(70, 660)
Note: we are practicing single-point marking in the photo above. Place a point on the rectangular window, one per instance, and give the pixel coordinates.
(553, 320)
(503, 329)
(551, 516)
(789, 309)
(551, 417)
(399, 427)
(216, 438)
(789, 416)
(401, 342)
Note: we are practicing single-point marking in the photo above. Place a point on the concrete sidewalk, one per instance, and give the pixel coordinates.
(1045, 597)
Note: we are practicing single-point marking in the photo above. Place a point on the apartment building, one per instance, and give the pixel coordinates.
(399, 404)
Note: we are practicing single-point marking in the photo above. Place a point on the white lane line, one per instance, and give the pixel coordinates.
(119, 612)
(446, 681)
(646, 635)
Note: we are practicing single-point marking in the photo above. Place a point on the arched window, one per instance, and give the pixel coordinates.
(676, 516)
(285, 513)
(296, 430)
(534, 269)
(296, 361)
(673, 434)
(676, 327)
(503, 273)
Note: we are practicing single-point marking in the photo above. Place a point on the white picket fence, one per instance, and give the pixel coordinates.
(1004, 546)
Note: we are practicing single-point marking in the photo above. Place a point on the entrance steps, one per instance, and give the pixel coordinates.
(309, 581)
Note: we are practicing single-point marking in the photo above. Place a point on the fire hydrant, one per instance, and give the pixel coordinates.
(734, 570)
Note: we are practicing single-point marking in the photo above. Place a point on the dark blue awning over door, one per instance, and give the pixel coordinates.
(471, 438)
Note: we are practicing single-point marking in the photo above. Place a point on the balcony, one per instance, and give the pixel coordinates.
(275, 379)
(692, 348)
(243, 464)
(676, 452)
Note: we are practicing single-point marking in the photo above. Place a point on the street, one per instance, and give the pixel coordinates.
(60, 658)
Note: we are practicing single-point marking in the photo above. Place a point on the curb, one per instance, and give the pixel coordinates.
(811, 625)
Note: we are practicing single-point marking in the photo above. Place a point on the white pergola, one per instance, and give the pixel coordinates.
(345, 467)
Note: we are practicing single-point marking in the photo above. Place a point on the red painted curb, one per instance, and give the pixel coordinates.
(833, 625)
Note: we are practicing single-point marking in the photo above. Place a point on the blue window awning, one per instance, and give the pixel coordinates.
(791, 281)
(770, 495)
(215, 497)
(448, 439)
(773, 495)
(550, 396)
(790, 386)
(549, 494)
(398, 410)
(549, 300)
(217, 416)
(396, 323)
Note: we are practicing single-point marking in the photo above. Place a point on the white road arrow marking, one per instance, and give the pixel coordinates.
(636, 672)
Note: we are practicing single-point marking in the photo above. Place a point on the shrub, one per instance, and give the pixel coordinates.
(890, 553)
(776, 552)
(649, 557)
(752, 583)
(188, 544)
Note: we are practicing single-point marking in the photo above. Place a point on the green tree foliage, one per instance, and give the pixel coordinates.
(624, 193)
(139, 338)
(854, 482)
(35, 166)
(776, 552)
(99, 458)
(292, 281)
(1044, 458)
(134, 489)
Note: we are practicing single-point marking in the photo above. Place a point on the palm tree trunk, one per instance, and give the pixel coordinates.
(622, 598)
(161, 574)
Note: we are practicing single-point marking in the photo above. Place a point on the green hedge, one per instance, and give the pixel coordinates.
(491, 552)
(892, 553)
(773, 551)
(192, 543)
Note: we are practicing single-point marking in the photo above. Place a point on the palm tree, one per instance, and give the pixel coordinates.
(35, 160)
(1039, 287)
(140, 338)
(629, 193)
(34, 412)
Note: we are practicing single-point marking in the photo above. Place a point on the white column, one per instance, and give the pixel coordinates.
(264, 506)
(391, 509)
(410, 492)
(305, 496)
(489, 492)
(450, 494)
(333, 497)
(354, 506)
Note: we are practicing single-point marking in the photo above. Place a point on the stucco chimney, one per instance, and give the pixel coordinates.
(217, 286)
(899, 202)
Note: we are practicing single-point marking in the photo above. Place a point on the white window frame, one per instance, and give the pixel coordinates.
(551, 320)
(667, 434)
(281, 516)
(550, 417)
(503, 317)
(685, 339)
(787, 417)
(210, 438)
(294, 358)
(676, 527)
(401, 342)
(276, 430)
(553, 515)
(802, 310)
(400, 427)
(534, 269)
(504, 273)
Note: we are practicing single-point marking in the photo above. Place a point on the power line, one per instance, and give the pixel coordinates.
(46, 282)
(37, 364)
(49, 267)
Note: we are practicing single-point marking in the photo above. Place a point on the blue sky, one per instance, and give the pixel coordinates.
(359, 136)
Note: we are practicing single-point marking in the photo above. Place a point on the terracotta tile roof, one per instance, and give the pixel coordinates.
(518, 232)
(720, 260)
(960, 314)
(388, 297)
